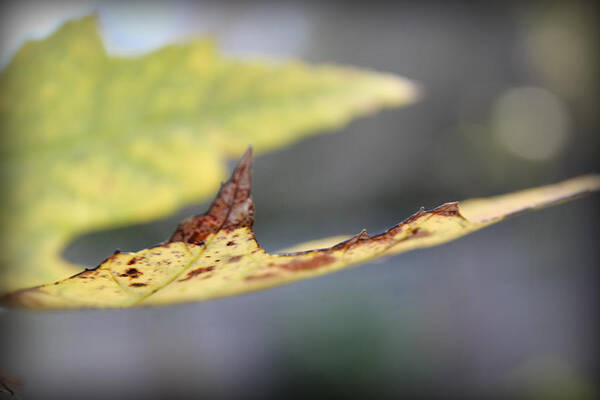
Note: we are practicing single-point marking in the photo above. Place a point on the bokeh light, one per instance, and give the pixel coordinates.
(531, 123)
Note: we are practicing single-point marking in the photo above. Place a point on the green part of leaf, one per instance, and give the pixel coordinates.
(91, 140)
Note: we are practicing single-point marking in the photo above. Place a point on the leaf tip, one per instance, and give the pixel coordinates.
(243, 172)
(232, 208)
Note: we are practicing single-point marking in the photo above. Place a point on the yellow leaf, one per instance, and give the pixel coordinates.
(215, 254)
(91, 141)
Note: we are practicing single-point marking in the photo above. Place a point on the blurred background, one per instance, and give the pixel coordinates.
(511, 92)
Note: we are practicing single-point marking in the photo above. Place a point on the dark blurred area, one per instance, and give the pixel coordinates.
(511, 91)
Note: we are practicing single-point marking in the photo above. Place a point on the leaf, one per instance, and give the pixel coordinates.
(91, 140)
(215, 254)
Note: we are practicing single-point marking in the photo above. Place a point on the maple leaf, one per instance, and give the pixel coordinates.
(216, 254)
(91, 140)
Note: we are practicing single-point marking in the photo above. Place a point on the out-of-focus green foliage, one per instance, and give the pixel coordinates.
(90, 140)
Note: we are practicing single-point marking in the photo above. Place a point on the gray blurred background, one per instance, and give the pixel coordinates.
(510, 101)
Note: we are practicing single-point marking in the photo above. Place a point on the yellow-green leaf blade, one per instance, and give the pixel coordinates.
(91, 141)
(215, 254)
(482, 210)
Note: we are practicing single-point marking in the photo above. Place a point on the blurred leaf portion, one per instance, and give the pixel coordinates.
(215, 254)
(92, 141)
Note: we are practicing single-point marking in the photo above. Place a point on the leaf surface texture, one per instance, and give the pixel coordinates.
(215, 254)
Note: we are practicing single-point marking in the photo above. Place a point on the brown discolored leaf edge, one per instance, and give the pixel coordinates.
(232, 208)
(215, 254)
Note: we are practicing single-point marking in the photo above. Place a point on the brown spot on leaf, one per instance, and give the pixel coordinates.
(196, 272)
(260, 276)
(418, 232)
(234, 259)
(88, 273)
(308, 264)
(132, 273)
(137, 284)
(448, 210)
(132, 261)
(230, 243)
